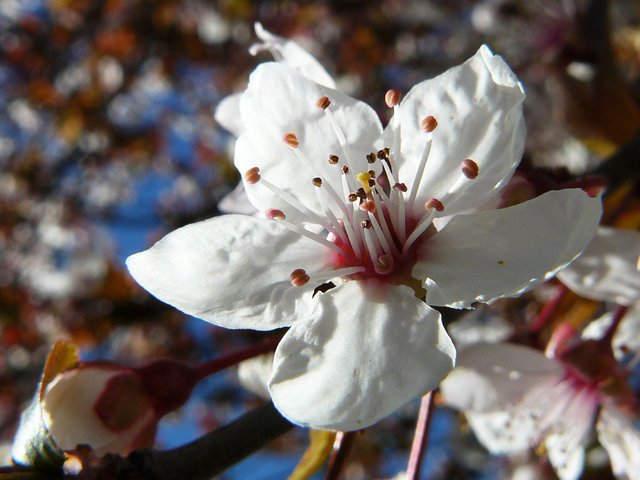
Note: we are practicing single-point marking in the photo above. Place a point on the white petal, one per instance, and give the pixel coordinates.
(483, 256)
(292, 54)
(237, 201)
(608, 268)
(478, 106)
(254, 374)
(626, 338)
(280, 101)
(232, 271)
(366, 349)
(491, 376)
(621, 438)
(228, 114)
(481, 325)
(503, 432)
(567, 462)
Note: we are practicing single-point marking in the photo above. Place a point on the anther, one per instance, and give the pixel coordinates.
(384, 265)
(371, 157)
(368, 206)
(402, 187)
(372, 173)
(434, 203)
(252, 176)
(391, 98)
(323, 103)
(333, 159)
(352, 197)
(317, 182)
(345, 169)
(291, 139)
(275, 214)
(361, 193)
(384, 153)
(470, 168)
(298, 277)
(365, 223)
(429, 124)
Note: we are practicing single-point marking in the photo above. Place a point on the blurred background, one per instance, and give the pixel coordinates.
(108, 141)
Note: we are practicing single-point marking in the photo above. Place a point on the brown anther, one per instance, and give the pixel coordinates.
(391, 98)
(384, 153)
(298, 277)
(434, 203)
(252, 176)
(352, 197)
(317, 182)
(429, 124)
(345, 169)
(365, 223)
(402, 187)
(470, 169)
(291, 139)
(384, 265)
(323, 103)
(371, 157)
(275, 214)
(368, 206)
(333, 159)
(361, 193)
(372, 182)
(372, 174)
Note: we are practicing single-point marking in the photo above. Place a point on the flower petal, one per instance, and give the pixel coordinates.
(280, 101)
(491, 376)
(289, 52)
(366, 349)
(607, 269)
(232, 271)
(483, 256)
(228, 114)
(621, 439)
(503, 432)
(478, 106)
(568, 463)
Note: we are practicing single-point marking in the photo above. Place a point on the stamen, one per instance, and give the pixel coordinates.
(298, 277)
(352, 197)
(371, 157)
(291, 139)
(420, 172)
(470, 169)
(333, 159)
(365, 223)
(339, 272)
(345, 169)
(385, 239)
(275, 214)
(371, 244)
(311, 236)
(384, 265)
(392, 98)
(252, 176)
(383, 154)
(292, 201)
(429, 124)
(317, 182)
(420, 228)
(401, 187)
(323, 103)
(434, 203)
(342, 140)
(368, 206)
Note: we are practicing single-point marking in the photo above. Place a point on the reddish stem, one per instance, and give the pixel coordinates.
(420, 438)
(549, 309)
(618, 315)
(341, 449)
(265, 345)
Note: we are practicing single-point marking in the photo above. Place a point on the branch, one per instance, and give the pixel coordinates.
(201, 459)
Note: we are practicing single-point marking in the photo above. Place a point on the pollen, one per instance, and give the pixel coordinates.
(298, 277)
(275, 214)
(291, 139)
(252, 176)
(470, 169)
(429, 124)
(391, 98)
(434, 203)
(323, 103)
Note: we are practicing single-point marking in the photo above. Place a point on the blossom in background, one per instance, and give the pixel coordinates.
(514, 397)
(362, 341)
